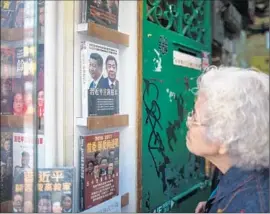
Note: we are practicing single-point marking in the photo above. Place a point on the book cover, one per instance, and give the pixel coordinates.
(8, 64)
(19, 62)
(18, 19)
(103, 12)
(41, 10)
(18, 100)
(7, 13)
(6, 96)
(99, 169)
(23, 165)
(55, 191)
(29, 69)
(40, 84)
(83, 11)
(6, 167)
(99, 75)
(18, 84)
(29, 72)
(24, 150)
(17, 95)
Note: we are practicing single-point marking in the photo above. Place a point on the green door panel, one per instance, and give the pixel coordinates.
(170, 174)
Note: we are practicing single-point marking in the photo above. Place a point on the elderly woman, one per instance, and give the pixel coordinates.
(229, 126)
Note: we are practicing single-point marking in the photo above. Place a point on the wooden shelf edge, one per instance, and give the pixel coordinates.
(6, 207)
(12, 121)
(104, 33)
(104, 122)
(125, 200)
(12, 34)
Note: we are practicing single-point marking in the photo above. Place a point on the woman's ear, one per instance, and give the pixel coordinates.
(222, 149)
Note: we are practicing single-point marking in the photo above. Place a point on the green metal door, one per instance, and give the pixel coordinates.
(176, 33)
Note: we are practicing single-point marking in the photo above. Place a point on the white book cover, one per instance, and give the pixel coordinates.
(99, 79)
(23, 151)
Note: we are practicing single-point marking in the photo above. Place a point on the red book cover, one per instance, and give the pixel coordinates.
(99, 169)
(103, 12)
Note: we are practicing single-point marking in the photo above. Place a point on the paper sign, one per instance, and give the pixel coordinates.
(186, 60)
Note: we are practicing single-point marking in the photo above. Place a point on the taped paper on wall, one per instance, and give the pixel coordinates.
(111, 206)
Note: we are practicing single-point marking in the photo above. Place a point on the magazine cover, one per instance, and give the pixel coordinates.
(55, 191)
(6, 167)
(100, 84)
(7, 13)
(99, 169)
(103, 12)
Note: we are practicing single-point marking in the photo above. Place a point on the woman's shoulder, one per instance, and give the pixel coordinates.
(251, 197)
(243, 191)
(249, 201)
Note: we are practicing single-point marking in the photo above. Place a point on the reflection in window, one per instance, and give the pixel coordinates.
(22, 85)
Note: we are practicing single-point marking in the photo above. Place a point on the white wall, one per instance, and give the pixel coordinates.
(128, 88)
(58, 83)
(128, 97)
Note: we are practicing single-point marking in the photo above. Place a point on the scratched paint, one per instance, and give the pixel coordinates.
(157, 61)
(169, 164)
(171, 94)
(163, 141)
(164, 208)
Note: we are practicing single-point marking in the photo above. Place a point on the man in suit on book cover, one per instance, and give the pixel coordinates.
(112, 7)
(19, 170)
(95, 70)
(111, 68)
(19, 15)
(111, 82)
(17, 203)
(5, 151)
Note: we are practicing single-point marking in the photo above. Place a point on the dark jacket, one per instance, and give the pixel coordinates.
(106, 83)
(215, 178)
(101, 83)
(241, 191)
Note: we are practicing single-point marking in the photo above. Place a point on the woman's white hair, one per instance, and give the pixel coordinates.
(236, 113)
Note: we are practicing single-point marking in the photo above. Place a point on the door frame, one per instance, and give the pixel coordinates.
(139, 103)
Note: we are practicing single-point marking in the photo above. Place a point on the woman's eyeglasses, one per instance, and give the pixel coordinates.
(191, 119)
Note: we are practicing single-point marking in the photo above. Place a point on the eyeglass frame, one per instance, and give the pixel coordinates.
(191, 119)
